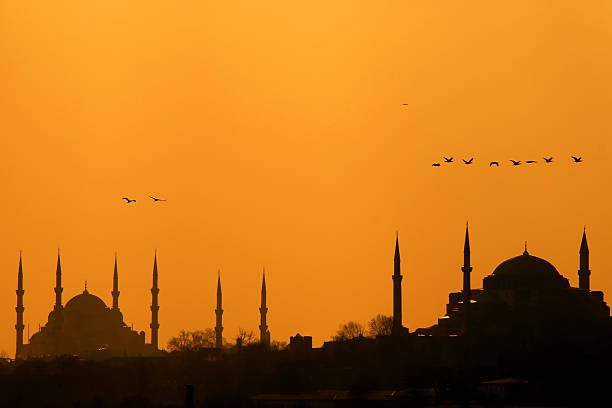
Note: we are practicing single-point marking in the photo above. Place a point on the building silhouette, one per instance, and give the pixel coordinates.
(85, 324)
(524, 302)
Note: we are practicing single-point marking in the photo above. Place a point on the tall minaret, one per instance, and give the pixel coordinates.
(154, 306)
(467, 290)
(115, 291)
(584, 280)
(19, 326)
(58, 283)
(466, 268)
(397, 290)
(264, 333)
(219, 314)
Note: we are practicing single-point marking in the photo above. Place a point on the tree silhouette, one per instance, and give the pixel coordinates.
(349, 331)
(380, 325)
(245, 338)
(192, 340)
(277, 345)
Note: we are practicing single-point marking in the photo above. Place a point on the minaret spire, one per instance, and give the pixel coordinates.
(584, 274)
(397, 289)
(115, 291)
(19, 326)
(264, 333)
(219, 315)
(154, 306)
(58, 283)
(467, 269)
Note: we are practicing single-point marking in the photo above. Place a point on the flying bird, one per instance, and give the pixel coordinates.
(156, 199)
(530, 161)
(577, 159)
(436, 164)
(448, 159)
(494, 164)
(515, 162)
(128, 200)
(549, 160)
(468, 161)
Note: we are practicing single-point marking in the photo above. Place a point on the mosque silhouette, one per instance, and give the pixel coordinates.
(85, 325)
(524, 302)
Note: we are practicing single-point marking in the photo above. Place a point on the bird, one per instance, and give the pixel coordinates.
(436, 164)
(515, 162)
(448, 159)
(468, 161)
(530, 161)
(156, 199)
(494, 163)
(577, 159)
(548, 160)
(128, 200)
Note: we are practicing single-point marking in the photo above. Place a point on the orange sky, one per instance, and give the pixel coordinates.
(276, 132)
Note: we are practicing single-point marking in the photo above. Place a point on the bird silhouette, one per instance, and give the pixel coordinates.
(156, 199)
(436, 164)
(530, 161)
(494, 163)
(577, 159)
(448, 159)
(468, 161)
(515, 162)
(549, 160)
(128, 200)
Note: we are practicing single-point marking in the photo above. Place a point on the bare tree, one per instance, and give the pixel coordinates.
(349, 331)
(244, 337)
(192, 340)
(380, 325)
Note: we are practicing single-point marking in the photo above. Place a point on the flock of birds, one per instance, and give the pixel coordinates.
(496, 163)
(129, 200)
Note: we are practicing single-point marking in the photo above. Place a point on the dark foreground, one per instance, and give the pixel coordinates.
(362, 372)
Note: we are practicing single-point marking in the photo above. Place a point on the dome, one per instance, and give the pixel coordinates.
(85, 303)
(526, 265)
(525, 271)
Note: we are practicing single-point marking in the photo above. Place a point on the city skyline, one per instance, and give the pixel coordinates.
(264, 334)
(277, 134)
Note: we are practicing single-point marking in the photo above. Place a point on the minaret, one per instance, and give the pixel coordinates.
(219, 314)
(466, 268)
(115, 291)
(154, 306)
(397, 290)
(58, 283)
(264, 333)
(19, 326)
(467, 290)
(584, 280)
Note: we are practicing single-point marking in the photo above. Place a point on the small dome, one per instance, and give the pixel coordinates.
(85, 303)
(525, 271)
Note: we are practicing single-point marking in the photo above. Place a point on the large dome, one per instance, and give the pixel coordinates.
(86, 303)
(526, 265)
(525, 271)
